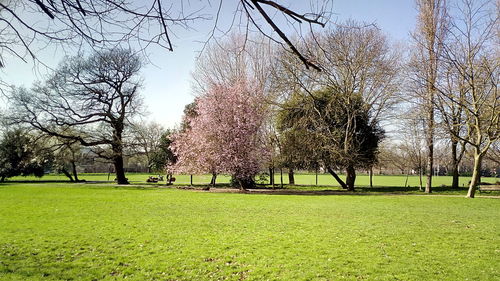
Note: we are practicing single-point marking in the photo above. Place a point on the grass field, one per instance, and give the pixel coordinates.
(57, 231)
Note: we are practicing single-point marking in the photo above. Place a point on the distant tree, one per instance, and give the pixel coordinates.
(163, 155)
(225, 135)
(189, 114)
(391, 158)
(494, 153)
(66, 155)
(152, 141)
(87, 100)
(412, 145)
(21, 155)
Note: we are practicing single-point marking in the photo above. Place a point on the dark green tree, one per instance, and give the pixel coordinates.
(163, 155)
(329, 128)
(21, 155)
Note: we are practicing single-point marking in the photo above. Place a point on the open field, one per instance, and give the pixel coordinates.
(58, 231)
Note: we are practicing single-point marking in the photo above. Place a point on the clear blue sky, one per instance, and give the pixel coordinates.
(167, 79)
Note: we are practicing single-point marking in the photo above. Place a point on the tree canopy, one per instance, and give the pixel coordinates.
(332, 129)
(224, 136)
(21, 155)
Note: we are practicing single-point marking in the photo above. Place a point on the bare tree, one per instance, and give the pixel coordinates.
(431, 30)
(472, 53)
(412, 144)
(146, 140)
(88, 100)
(235, 57)
(452, 116)
(494, 153)
(67, 153)
(391, 158)
(107, 23)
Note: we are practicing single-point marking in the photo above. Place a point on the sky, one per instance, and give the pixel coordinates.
(167, 78)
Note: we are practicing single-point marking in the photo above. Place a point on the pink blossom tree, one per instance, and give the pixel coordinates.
(225, 136)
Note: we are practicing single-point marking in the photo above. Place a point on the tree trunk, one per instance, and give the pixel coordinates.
(316, 176)
(371, 176)
(430, 152)
(336, 177)
(75, 173)
(271, 176)
(476, 174)
(119, 170)
(191, 179)
(246, 183)
(291, 177)
(350, 177)
(67, 174)
(454, 164)
(117, 147)
(212, 181)
(421, 188)
(2, 179)
(281, 177)
(150, 162)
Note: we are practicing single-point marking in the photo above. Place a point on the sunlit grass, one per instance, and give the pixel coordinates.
(92, 232)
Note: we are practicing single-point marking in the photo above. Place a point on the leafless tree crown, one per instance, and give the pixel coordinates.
(110, 22)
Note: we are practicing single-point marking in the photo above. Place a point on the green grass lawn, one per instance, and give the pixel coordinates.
(62, 231)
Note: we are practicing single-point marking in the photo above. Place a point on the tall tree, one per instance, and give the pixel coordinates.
(88, 100)
(428, 37)
(241, 58)
(472, 54)
(357, 62)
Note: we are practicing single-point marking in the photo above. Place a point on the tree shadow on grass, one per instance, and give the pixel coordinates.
(34, 181)
(411, 189)
(360, 190)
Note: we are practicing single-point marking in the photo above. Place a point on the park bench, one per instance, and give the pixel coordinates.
(488, 187)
